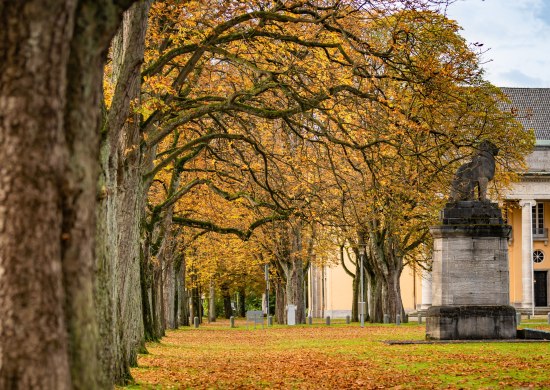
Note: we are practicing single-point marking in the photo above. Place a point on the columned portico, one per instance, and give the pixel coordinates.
(527, 252)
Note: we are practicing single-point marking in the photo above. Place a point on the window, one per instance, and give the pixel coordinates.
(538, 256)
(538, 220)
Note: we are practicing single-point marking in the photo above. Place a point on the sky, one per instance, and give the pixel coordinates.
(516, 34)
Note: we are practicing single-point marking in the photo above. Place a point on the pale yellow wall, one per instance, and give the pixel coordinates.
(411, 289)
(514, 256)
(339, 288)
(514, 253)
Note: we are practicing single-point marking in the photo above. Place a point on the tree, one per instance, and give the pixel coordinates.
(416, 142)
(50, 86)
(366, 88)
(120, 208)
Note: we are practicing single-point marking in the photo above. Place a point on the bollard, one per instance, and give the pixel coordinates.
(310, 320)
(419, 319)
(386, 318)
(348, 320)
(518, 318)
(327, 320)
(269, 320)
(548, 318)
(398, 319)
(232, 322)
(529, 316)
(196, 322)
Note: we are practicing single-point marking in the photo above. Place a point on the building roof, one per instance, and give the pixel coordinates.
(532, 107)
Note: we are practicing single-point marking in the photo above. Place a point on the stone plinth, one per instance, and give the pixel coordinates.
(470, 265)
(470, 277)
(471, 212)
(472, 322)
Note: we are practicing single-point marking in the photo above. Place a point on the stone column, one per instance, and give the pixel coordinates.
(527, 252)
(426, 290)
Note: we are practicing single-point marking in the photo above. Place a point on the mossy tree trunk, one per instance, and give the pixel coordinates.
(50, 88)
(118, 290)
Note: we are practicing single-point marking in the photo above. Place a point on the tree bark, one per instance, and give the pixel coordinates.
(169, 289)
(355, 295)
(50, 86)
(226, 295)
(376, 312)
(157, 302)
(392, 292)
(385, 268)
(295, 289)
(146, 276)
(280, 302)
(183, 294)
(196, 304)
(242, 302)
(118, 291)
(212, 303)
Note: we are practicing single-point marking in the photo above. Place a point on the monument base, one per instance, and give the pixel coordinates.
(470, 322)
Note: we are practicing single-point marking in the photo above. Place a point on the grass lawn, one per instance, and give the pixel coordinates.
(337, 356)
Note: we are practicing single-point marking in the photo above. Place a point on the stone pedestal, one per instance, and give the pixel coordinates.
(470, 278)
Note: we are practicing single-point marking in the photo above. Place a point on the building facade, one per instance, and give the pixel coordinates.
(529, 201)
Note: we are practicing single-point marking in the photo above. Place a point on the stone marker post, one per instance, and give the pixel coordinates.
(291, 314)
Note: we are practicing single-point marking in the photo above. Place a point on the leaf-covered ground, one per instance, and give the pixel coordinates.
(336, 357)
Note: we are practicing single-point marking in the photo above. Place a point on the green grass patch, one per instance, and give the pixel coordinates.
(336, 356)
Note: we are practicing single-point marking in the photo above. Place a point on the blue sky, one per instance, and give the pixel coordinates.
(516, 34)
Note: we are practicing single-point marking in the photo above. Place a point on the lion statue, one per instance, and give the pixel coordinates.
(475, 174)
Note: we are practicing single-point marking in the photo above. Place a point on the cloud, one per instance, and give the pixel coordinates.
(517, 34)
(516, 78)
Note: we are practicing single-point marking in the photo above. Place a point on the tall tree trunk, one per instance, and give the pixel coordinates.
(376, 312)
(392, 292)
(280, 301)
(118, 291)
(355, 295)
(196, 303)
(157, 302)
(169, 298)
(34, 322)
(290, 262)
(183, 294)
(226, 296)
(212, 303)
(295, 289)
(242, 302)
(50, 86)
